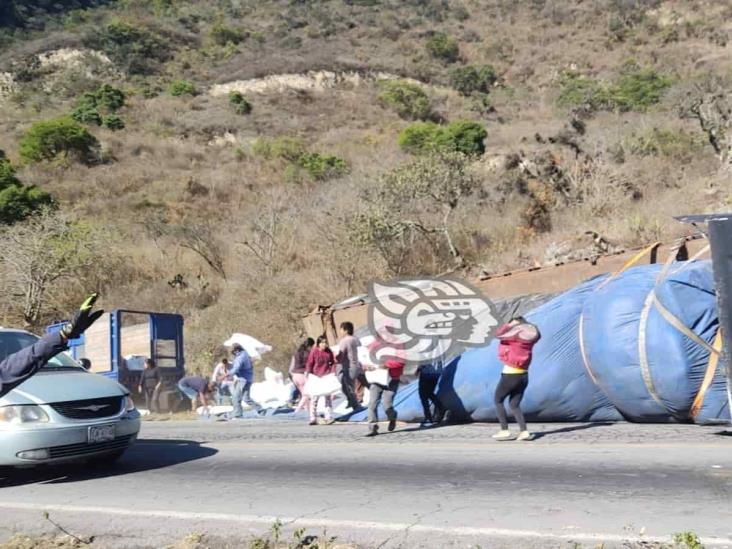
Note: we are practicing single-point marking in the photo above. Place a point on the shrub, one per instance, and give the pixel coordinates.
(660, 142)
(322, 167)
(114, 122)
(222, 35)
(408, 100)
(419, 138)
(86, 114)
(47, 139)
(178, 88)
(581, 91)
(92, 106)
(470, 79)
(637, 89)
(443, 47)
(18, 201)
(287, 148)
(462, 136)
(239, 102)
(135, 48)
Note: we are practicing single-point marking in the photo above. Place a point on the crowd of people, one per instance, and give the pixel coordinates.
(318, 374)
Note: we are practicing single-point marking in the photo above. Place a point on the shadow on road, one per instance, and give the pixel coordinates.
(145, 455)
(540, 434)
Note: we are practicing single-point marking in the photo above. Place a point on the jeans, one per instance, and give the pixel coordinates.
(240, 391)
(191, 394)
(376, 393)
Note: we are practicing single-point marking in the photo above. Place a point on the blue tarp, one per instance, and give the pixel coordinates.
(637, 364)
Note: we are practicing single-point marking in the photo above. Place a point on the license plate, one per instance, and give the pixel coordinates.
(102, 433)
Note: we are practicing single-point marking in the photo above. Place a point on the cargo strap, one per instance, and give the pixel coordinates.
(628, 264)
(708, 376)
(583, 351)
(643, 354)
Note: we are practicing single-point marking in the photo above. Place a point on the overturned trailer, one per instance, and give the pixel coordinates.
(631, 339)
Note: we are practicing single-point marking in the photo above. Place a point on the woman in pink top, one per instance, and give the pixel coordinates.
(517, 339)
(320, 363)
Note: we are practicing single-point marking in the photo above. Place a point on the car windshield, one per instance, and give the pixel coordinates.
(12, 342)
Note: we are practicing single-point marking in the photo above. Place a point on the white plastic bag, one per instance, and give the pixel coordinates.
(322, 386)
(254, 348)
(380, 376)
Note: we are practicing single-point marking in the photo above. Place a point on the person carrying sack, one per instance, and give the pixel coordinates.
(320, 363)
(517, 339)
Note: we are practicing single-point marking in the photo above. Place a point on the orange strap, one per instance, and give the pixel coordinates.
(708, 376)
(628, 264)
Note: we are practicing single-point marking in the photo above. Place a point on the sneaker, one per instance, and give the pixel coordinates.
(503, 434)
(427, 423)
(373, 431)
(525, 435)
(262, 412)
(313, 422)
(392, 425)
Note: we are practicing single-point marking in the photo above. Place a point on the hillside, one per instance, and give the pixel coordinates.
(240, 161)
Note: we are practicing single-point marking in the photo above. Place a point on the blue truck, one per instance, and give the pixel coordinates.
(118, 343)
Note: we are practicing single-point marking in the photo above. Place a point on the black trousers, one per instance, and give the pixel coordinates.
(513, 386)
(152, 398)
(427, 386)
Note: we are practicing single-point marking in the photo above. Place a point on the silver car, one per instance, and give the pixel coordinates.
(63, 413)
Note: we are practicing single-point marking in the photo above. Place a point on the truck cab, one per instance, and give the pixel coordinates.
(117, 344)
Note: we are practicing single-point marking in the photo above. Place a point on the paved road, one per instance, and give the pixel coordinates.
(446, 487)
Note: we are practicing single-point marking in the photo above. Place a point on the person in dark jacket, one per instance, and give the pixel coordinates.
(18, 367)
(517, 339)
(150, 383)
(429, 376)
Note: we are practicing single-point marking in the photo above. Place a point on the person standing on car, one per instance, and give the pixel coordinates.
(351, 370)
(150, 383)
(19, 366)
(197, 388)
(320, 364)
(517, 339)
(242, 375)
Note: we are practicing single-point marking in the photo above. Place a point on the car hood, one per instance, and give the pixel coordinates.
(61, 386)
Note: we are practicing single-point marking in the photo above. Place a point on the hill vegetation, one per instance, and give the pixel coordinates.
(241, 161)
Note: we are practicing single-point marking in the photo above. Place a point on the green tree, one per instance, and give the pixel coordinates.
(470, 79)
(135, 48)
(18, 201)
(419, 200)
(443, 47)
(407, 99)
(424, 137)
(239, 102)
(48, 139)
(182, 87)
